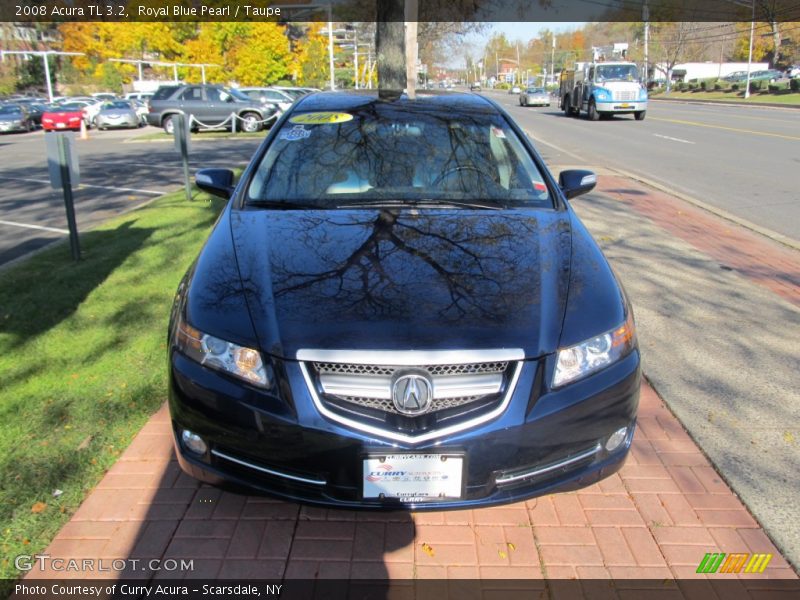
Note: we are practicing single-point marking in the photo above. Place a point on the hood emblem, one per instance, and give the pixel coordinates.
(412, 393)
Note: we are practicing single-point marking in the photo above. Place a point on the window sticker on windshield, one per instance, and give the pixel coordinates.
(298, 132)
(321, 118)
(498, 133)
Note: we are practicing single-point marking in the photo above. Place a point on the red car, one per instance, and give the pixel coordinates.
(66, 116)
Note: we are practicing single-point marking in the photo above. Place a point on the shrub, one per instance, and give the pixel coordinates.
(693, 86)
(720, 85)
(794, 84)
(755, 86)
(735, 87)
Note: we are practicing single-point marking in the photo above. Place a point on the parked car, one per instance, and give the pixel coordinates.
(15, 117)
(105, 96)
(35, 108)
(736, 76)
(118, 113)
(398, 307)
(475, 87)
(207, 106)
(793, 71)
(293, 92)
(770, 75)
(269, 96)
(514, 90)
(534, 96)
(63, 116)
(143, 97)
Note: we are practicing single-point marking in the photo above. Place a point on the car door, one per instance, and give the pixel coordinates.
(219, 104)
(190, 101)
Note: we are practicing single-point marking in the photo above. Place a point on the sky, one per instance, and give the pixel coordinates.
(526, 31)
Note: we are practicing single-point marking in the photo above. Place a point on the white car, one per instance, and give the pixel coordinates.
(515, 90)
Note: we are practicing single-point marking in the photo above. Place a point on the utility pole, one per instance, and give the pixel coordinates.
(411, 15)
(646, 19)
(355, 54)
(553, 60)
(750, 53)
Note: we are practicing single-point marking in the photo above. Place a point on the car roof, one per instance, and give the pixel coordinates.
(424, 98)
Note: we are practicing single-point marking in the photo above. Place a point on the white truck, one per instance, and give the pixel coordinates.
(603, 89)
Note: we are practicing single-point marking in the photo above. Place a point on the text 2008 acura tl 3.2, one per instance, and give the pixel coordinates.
(399, 307)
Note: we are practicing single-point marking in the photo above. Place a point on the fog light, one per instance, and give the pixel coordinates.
(194, 443)
(616, 439)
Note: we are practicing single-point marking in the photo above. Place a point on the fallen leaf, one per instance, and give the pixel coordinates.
(511, 546)
(57, 493)
(502, 554)
(427, 549)
(38, 507)
(85, 443)
(788, 437)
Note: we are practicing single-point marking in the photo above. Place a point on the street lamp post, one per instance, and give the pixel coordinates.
(750, 52)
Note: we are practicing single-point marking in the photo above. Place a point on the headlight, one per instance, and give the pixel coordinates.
(594, 354)
(210, 351)
(602, 94)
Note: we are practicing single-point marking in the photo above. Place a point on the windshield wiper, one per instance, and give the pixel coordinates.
(280, 204)
(426, 202)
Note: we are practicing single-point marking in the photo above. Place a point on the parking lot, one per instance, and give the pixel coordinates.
(117, 173)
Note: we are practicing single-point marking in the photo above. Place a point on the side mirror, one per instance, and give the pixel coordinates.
(575, 182)
(218, 182)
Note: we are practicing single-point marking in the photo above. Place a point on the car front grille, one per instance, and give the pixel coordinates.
(625, 96)
(360, 394)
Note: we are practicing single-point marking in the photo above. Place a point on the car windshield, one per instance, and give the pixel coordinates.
(9, 110)
(74, 107)
(535, 91)
(397, 152)
(617, 73)
(119, 105)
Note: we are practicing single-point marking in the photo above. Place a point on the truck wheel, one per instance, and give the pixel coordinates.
(251, 122)
(639, 116)
(565, 106)
(169, 125)
(593, 114)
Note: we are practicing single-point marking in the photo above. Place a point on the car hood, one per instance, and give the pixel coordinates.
(12, 117)
(404, 279)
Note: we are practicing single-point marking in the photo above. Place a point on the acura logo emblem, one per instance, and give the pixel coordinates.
(412, 393)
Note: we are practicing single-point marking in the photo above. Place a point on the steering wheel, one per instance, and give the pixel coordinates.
(441, 178)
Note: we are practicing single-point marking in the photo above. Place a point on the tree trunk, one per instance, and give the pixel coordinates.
(391, 48)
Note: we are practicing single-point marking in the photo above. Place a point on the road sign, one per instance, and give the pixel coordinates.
(53, 162)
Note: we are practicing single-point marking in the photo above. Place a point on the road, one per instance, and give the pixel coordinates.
(742, 160)
(117, 174)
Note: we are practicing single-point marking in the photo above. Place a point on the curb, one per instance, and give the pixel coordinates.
(725, 103)
(772, 235)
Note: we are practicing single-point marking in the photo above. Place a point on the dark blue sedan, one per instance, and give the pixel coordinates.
(399, 308)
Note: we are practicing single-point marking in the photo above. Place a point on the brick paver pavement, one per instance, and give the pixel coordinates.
(656, 518)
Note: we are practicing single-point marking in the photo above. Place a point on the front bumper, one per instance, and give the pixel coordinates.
(542, 443)
(617, 106)
(112, 123)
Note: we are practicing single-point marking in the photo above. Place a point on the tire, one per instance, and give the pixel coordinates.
(250, 122)
(168, 125)
(639, 116)
(593, 114)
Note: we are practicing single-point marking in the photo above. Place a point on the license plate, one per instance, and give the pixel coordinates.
(413, 477)
(60, 125)
(625, 105)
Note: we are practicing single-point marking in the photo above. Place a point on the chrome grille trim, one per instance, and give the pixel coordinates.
(475, 356)
(553, 467)
(250, 465)
(380, 387)
(625, 96)
(410, 358)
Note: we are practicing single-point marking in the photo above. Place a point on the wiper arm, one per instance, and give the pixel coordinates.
(285, 205)
(426, 202)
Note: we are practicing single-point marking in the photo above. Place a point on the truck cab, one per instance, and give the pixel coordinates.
(603, 89)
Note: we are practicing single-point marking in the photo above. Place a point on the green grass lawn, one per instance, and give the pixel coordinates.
(83, 360)
(202, 135)
(788, 98)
